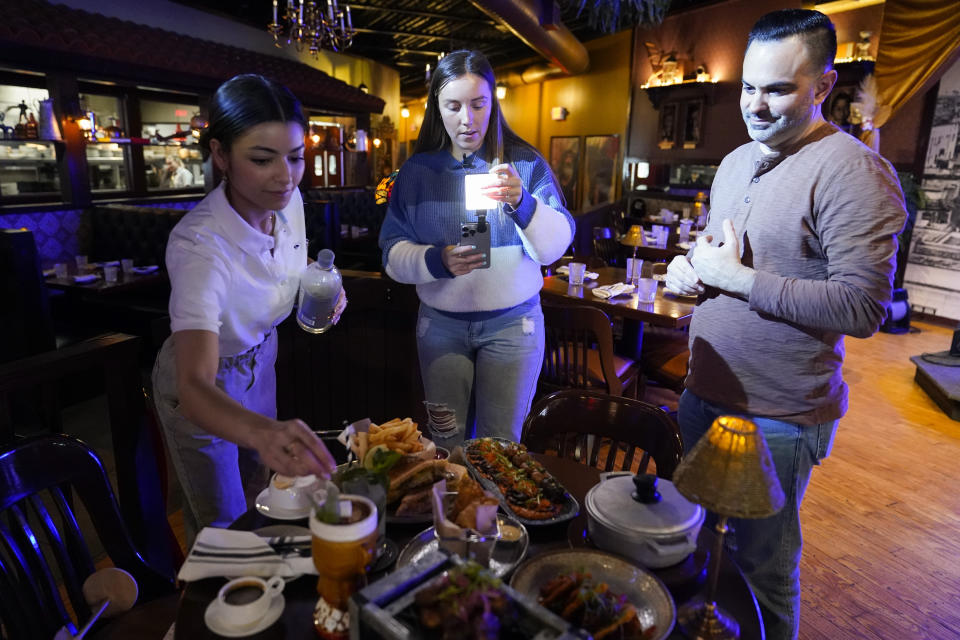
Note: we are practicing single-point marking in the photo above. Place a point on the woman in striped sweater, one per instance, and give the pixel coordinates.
(480, 330)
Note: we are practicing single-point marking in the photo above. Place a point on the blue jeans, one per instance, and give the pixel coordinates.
(768, 550)
(219, 479)
(486, 370)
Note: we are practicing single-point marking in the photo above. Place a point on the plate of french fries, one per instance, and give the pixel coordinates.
(400, 435)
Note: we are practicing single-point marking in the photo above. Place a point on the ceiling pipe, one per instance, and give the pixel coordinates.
(566, 54)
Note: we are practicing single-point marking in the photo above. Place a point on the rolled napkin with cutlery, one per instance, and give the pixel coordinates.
(588, 275)
(225, 552)
(90, 277)
(611, 290)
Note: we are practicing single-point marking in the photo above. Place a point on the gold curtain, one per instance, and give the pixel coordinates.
(917, 38)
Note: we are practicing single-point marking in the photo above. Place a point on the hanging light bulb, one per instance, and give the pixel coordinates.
(404, 112)
(501, 91)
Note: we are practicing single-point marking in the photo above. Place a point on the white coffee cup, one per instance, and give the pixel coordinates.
(293, 493)
(244, 601)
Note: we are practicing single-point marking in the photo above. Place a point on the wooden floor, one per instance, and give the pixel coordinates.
(881, 518)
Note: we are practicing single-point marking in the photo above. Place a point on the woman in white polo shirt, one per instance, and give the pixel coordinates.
(234, 264)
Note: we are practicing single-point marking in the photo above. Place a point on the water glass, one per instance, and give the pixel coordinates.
(661, 233)
(685, 230)
(646, 290)
(81, 263)
(577, 271)
(634, 269)
(127, 265)
(110, 272)
(60, 270)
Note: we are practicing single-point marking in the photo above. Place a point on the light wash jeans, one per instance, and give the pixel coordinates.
(486, 371)
(768, 550)
(219, 480)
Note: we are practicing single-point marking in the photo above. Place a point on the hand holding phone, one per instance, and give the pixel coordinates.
(472, 235)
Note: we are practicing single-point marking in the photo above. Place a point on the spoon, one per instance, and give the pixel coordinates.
(112, 591)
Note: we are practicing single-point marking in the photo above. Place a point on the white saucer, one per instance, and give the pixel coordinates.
(278, 513)
(220, 627)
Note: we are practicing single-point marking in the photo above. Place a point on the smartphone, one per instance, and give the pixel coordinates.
(469, 236)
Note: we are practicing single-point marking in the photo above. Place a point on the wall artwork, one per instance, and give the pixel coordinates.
(600, 170)
(932, 277)
(667, 125)
(565, 162)
(692, 123)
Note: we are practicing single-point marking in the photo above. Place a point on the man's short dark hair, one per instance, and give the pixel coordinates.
(814, 29)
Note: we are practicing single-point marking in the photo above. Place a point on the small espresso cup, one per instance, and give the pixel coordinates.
(293, 493)
(244, 601)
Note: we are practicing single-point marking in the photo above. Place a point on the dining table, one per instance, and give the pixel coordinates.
(684, 581)
(667, 310)
(125, 283)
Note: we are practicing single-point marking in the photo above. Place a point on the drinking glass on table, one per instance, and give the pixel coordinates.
(577, 271)
(60, 270)
(81, 263)
(127, 265)
(110, 272)
(343, 548)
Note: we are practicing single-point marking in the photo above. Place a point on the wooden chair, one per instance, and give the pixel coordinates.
(570, 422)
(40, 481)
(579, 352)
(607, 249)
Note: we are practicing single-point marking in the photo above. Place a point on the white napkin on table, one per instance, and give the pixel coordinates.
(225, 552)
(587, 275)
(611, 290)
(87, 278)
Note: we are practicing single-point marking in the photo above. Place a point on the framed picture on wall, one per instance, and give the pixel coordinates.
(692, 123)
(565, 162)
(667, 126)
(601, 155)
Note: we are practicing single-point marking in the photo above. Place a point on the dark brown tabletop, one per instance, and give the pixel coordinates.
(684, 580)
(665, 311)
(126, 282)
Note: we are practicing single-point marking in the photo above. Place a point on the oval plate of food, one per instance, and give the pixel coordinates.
(528, 492)
(508, 552)
(556, 579)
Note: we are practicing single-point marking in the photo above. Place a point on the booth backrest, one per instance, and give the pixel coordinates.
(128, 231)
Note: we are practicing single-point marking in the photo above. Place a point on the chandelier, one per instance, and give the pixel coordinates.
(318, 24)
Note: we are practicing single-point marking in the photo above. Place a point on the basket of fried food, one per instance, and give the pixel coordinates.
(465, 520)
(399, 435)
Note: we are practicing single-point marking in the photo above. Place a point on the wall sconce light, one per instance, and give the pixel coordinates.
(558, 113)
(376, 143)
(404, 112)
(501, 91)
(363, 88)
(315, 139)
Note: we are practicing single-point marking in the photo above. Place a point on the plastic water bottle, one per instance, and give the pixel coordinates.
(320, 286)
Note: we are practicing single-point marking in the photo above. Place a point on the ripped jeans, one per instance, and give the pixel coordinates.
(485, 370)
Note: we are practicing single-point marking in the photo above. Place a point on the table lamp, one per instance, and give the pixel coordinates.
(730, 473)
(633, 238)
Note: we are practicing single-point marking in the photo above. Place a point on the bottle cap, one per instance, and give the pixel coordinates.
(325, 258)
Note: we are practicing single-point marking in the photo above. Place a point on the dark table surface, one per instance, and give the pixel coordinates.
(684, 580)
(666, 310)
(126, 282)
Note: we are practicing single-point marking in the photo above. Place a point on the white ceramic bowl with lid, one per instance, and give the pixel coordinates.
(643, 518)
